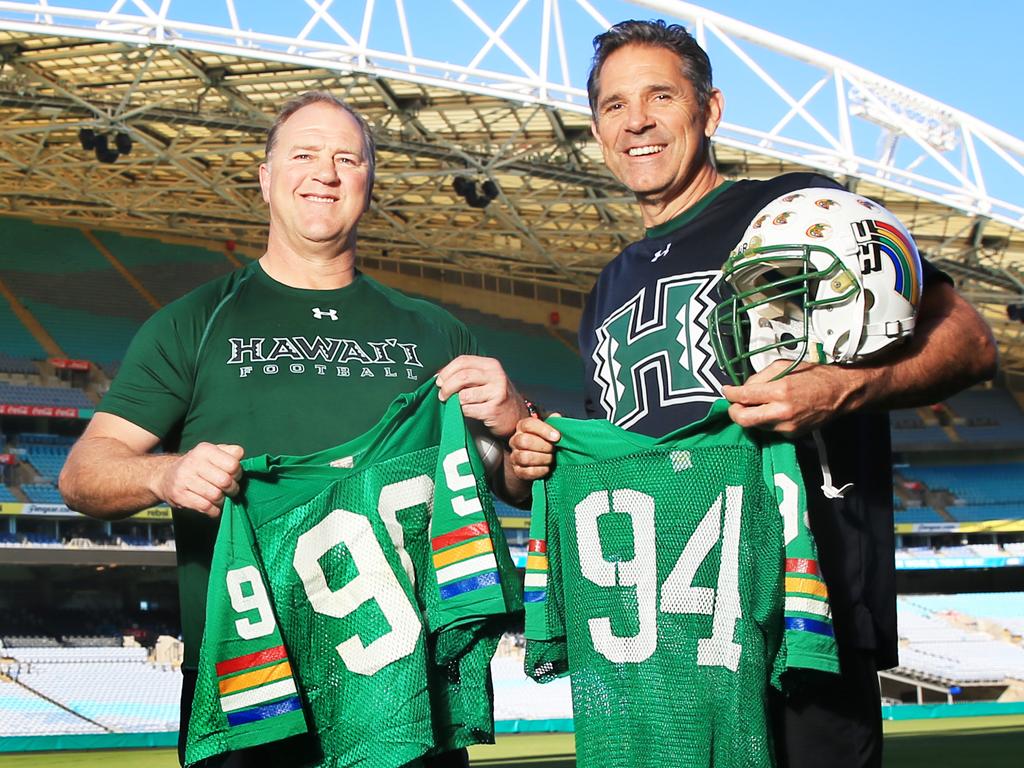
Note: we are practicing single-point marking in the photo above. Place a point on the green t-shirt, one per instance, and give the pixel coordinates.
(360, 593)
(675, 579)
(247, 360)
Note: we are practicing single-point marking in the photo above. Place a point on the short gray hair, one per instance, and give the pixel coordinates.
(695, 64)
(324, 97)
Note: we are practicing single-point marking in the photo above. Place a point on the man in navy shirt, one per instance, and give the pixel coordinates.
(650, 367)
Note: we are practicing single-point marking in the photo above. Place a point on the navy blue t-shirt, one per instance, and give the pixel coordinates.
(650, 368)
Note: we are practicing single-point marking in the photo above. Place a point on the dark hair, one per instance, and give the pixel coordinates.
(323, 97)
(694, 61)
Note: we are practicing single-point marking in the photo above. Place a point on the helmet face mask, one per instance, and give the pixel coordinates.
(804, 285)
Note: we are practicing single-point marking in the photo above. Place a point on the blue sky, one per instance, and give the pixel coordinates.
(954, 52)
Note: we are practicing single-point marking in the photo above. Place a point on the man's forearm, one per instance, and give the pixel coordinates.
(103, 478)
(951, 350)
(512, 489)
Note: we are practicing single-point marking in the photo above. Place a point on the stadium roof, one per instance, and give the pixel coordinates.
(178, 96)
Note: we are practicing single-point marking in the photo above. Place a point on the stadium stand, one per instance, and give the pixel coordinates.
(116, 688)
(18, 342)
(167, 270)
(24, 713)
(933, 648)
(42, 493)
(40, 540)
(969, 513)
(989, 416)
(58, 397)
(45, 438)
(533, 358)
(30, 641)
(918, 515)
(978, 484)
(505, 510)
(48, 460)
(7, 495)
(87, 335)
(17, 365)
(88, 308)
(1002, 607)
(909, 431)
(517, 697)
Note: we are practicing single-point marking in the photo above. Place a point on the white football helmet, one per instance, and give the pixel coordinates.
(821, 275)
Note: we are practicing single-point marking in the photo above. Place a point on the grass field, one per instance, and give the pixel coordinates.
(961, 743)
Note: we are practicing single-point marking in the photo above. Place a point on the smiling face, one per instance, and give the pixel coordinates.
(652, 131)
(315, 181)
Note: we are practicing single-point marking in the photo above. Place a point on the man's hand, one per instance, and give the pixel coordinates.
(951, 349)
(201, 478)
(485, 393)
(799, 402)
(533, 448)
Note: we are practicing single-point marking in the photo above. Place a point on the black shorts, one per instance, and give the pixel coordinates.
(295, 751)
(831, 721)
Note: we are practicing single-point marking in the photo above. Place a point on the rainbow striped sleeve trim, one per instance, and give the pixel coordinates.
(257, 686)
(536, 581)
(464, 560)
(807, 608)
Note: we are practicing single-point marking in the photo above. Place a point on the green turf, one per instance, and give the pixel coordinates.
(121, 758)
(979, 741)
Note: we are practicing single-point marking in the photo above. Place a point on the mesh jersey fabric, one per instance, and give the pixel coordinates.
(675, 580)
(358, 593)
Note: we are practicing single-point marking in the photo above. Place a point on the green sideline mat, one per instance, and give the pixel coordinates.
(988, 741)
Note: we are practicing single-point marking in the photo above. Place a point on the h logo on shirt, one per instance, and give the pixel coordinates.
(663, 252)
(320, 314)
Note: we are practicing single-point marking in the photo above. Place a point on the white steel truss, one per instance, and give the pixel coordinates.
(524, 51)
(492, 90)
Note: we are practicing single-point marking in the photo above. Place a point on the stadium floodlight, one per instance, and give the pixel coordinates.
(463, 186)
(467, 188)
(103, 151)
(123, 142)
(490, 189)
(87, 138)
(903, 115)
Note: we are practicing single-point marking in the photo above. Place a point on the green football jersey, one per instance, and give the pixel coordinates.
(358, 593)
(675, 579)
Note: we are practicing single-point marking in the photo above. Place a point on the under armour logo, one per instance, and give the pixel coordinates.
(320, 314)
(663, 252)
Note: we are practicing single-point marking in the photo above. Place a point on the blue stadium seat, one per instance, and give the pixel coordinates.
(969, 513)
(918, 515)
(52, 396)
(975, 484)
(42, 493)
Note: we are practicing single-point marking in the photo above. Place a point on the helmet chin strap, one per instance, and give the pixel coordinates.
(830, 491)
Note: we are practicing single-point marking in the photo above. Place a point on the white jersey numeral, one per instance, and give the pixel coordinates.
(788, 506)
(255, 600)
(640, 572)
(374, 581)
(678, 594)
(396, 497)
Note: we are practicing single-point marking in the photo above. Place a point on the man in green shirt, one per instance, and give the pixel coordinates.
(292, 354)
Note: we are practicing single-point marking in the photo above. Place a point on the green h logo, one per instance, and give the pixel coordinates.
(673, 342)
